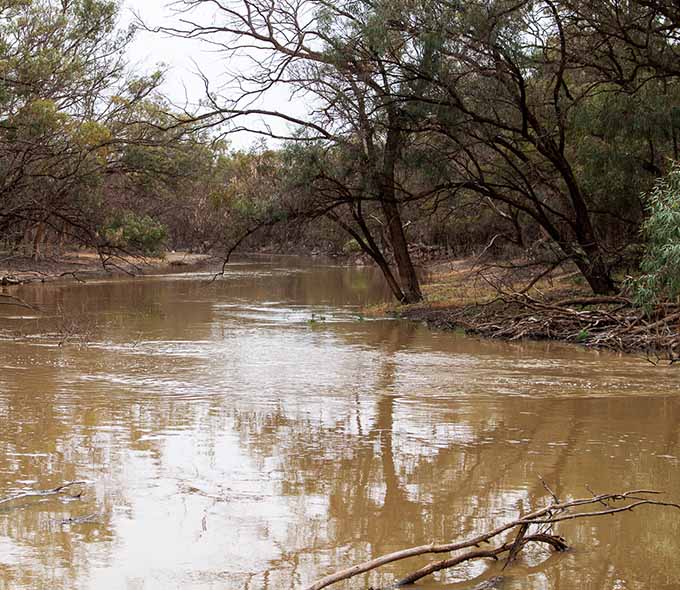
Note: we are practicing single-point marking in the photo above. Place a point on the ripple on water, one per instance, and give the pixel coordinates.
(250, 432)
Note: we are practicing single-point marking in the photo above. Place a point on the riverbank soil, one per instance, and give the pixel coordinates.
(506, 303)
(84, 264)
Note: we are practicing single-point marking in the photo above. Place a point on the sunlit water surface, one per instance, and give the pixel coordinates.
(256, 432)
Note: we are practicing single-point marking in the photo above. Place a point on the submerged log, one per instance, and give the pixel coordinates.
(534, 528)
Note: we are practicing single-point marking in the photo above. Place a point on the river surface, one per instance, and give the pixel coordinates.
(257, 432)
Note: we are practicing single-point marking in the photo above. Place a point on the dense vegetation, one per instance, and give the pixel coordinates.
(523, 128)
(89, 152)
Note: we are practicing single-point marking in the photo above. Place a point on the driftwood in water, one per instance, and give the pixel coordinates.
(42, 493)
(536, 527)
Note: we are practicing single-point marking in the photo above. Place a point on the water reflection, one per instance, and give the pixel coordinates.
(257, 432)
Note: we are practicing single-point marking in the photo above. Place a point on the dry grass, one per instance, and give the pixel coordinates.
(505, 301)
(464, 282)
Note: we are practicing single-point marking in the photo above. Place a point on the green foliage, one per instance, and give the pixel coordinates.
(139, 233)
(351, 247)
(618, 141)
(83, 138)
(661, 261)
(500, 133)
(252, 187)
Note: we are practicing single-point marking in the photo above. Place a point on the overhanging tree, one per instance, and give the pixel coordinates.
(79, 133)
(344, 58)
(521, 104)
(508, 99)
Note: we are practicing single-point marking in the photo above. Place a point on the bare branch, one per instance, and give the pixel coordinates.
(552, 513)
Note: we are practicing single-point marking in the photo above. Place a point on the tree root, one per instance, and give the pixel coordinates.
(542, 520)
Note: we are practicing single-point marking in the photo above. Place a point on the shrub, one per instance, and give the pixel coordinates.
(140, 233)
(660, 265)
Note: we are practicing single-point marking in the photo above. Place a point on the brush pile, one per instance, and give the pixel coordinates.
(598, 322)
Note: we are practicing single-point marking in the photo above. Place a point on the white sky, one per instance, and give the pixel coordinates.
(182, 56)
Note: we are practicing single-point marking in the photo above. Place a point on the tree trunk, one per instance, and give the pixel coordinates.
(407, 274)
(591, 260)
(368, 246)
(586, 253)
(389, 277)
(37, 241)
(596, 274)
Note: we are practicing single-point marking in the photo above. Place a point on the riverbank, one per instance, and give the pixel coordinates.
(498, 301)
(84, 264)
(494, 303)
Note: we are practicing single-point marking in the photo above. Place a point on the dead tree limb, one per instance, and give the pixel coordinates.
(555, 542)
(611, 322)
(41, 493)
(542, 520)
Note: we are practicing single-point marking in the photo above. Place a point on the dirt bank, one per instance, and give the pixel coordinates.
(81, 265)
(495, 304)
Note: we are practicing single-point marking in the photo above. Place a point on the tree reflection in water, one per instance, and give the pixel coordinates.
(234, 444)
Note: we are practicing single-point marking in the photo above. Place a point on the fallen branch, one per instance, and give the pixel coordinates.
(611, 300)
(542, 520)
(41, 493)
(557, 543)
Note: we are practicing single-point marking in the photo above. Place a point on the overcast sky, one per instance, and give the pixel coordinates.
(182, 57)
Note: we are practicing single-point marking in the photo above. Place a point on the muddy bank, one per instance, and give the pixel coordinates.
(83, 265)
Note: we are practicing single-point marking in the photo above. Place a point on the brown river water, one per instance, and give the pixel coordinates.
(257, 433)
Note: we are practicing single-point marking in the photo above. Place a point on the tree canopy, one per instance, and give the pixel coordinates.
(540, 125)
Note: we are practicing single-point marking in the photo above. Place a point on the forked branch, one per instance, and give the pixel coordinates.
(542, 521)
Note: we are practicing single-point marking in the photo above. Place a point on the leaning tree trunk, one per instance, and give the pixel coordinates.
(580, 244)
(590, 258)
(410, 284)
(407, 273)
(596, 273)
(368, 246)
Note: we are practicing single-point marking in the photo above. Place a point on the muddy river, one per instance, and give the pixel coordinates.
(257, 432)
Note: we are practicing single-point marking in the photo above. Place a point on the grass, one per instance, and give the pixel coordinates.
(458, 284)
